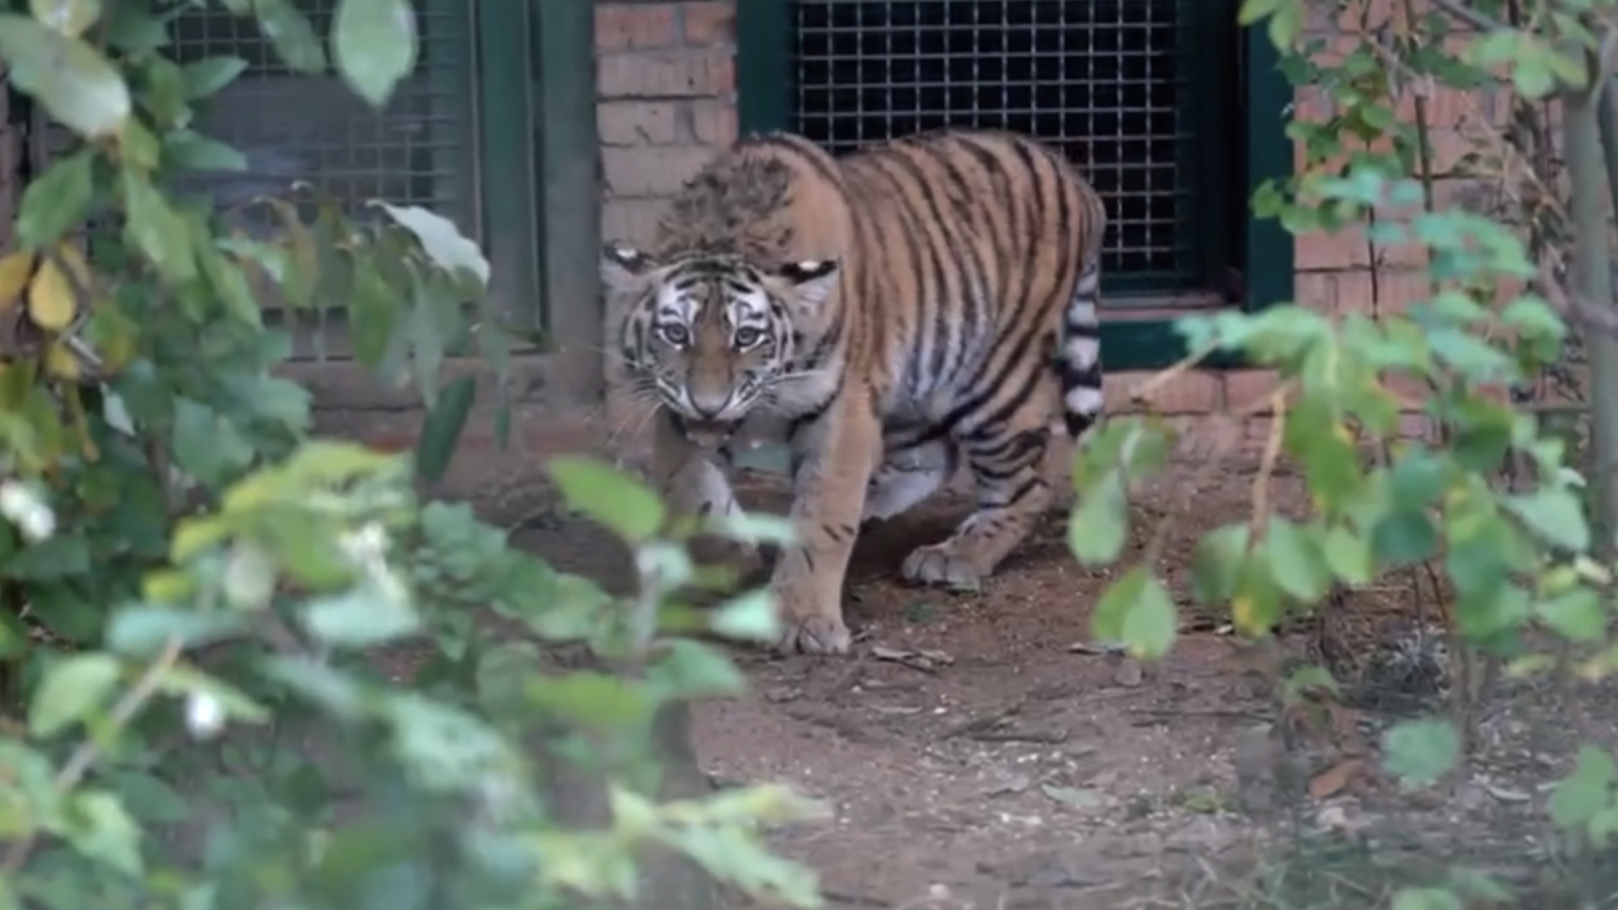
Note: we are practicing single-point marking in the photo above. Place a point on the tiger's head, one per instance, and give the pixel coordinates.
(713, 336)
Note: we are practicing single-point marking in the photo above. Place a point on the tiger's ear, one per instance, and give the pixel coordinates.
(624, 269)
(811, 281)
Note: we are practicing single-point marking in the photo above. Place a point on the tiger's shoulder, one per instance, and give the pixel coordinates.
(769, 197)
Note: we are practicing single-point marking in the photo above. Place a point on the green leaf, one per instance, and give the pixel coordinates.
(1420, 752)
(1588, 791)
(148, 797)
(63, 556)
(691, 670)
(1296, 561)
(360, 618)
(1348, 554)
(143, 630)
(72, 80)
(590, 699)
(57, 200)
(1254, 10)
(157, 230)
(206, 445)
(291, 34)
(1216, 563)
(427, 341)
(1137, 611)
(100, 828)
(1555, 514)
(748, 527)
(1578, 615)
(1402, 537)
(134, 29)
(750, 617)
(236, 704)
(189, 151)
(1285, 25)
(1427, 899)
(208, 76)
(372, 312)
(72, 688)
(443, 243)
(375, 44)
(441, 430)
(609, 497)
(1100, 524)
(70, 17)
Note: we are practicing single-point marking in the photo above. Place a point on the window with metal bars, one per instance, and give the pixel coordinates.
(1142, 94)
(418, 150)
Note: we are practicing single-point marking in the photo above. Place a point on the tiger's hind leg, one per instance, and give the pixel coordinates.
(1006, 462)
(907, 476)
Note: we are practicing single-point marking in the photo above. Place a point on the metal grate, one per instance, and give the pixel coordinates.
(1105, 80)
(419, 150)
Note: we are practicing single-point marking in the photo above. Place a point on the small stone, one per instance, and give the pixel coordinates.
(1128, 673)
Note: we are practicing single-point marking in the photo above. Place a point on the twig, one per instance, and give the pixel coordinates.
(1146, 388)
(84, 757)
(1266, 466)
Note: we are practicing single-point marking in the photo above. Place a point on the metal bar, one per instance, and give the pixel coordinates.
(506, 114)
(571, 190)
(1269, 257)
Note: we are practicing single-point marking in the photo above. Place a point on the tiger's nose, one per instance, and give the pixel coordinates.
(708, 407)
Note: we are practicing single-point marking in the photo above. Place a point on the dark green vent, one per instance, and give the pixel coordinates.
(1140, 93)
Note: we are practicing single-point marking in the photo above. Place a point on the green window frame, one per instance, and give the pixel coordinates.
(1218, 239)
(506, 148)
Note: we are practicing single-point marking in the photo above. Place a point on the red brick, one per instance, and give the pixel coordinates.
(1315, 290)
(648, 171)
(631, 220)
(713, 123)
(666, 74)
(624, 26)
(1192, 392)
(638, 122)
(1449, 149)
(1348, 248)
(711, 23)
(1245, 389)
(1393, 292)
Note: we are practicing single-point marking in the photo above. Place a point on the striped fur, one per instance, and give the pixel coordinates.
(895, 312)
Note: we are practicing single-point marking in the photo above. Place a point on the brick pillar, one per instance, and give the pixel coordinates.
(666, 89)
(665, 103)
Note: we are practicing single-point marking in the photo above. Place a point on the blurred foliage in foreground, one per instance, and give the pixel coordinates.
(194, 589)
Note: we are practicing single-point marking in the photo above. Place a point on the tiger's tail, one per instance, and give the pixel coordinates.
(1080, 354)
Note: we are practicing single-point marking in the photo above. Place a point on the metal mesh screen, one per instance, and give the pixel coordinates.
(1105, 80)
(419, 150)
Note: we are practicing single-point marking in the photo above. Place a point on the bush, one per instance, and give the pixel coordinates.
(196, 589)
(1528, 565)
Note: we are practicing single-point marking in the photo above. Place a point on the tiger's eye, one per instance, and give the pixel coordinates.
(674, 334)
(746, 337)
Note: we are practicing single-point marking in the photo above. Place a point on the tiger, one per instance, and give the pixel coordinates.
(892, 313)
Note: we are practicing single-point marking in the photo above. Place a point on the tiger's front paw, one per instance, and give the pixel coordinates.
(810, 624)
(814, 635)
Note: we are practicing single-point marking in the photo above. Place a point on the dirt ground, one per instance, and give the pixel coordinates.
(977, 752)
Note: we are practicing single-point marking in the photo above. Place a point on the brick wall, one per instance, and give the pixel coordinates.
(1335, 272)
(666, 84)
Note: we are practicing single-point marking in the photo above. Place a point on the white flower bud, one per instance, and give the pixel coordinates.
(204, 715)
(27, 510)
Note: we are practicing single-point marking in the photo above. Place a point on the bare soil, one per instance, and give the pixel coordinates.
(977, 751)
